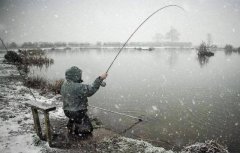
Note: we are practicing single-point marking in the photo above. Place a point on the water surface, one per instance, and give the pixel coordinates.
(181, 98)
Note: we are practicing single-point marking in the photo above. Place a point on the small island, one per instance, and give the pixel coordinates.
(203, 50)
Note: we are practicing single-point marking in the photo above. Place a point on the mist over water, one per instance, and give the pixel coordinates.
(180, 98)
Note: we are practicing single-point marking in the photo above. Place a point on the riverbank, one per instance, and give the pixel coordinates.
(16, 123)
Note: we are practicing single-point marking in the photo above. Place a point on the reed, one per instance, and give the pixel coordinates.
(45, 86)
(35, 82)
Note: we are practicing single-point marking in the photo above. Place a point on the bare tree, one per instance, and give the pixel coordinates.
(209, 39)
(173, 35)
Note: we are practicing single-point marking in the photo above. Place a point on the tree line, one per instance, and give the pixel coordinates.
(14, 45)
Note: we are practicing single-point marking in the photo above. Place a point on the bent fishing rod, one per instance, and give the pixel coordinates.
(103, 84)
(120, 50)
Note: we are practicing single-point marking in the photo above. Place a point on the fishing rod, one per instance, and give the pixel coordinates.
(103, 84)
(120, 50)
(137, 30)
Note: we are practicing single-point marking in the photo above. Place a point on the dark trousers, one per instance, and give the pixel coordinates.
(79, 121)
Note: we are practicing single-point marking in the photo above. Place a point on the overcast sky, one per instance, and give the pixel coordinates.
(115, 20)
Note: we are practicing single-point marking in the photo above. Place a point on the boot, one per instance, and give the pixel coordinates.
(70, 126)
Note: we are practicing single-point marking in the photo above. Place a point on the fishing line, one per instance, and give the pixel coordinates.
(130, 127)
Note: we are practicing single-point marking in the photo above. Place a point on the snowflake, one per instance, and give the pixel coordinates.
(154, 108)
(56, 16)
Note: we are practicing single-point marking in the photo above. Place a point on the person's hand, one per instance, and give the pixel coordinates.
(103, 76)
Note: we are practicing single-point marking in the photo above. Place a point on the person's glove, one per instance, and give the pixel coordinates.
(103, 76)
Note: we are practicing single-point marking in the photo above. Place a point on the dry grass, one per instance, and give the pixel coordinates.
(32, 52)
(42, 84)
(37, 60)
(27, 58)
(56, 86)
(35, 57)
(35, 82)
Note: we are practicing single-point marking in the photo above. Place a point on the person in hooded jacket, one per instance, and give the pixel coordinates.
(75, 100)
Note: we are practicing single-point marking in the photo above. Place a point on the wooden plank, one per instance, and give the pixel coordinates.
(48, 129)
(37, 125)
(41, 106)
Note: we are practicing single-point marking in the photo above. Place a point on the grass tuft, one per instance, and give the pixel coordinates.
(45, 86)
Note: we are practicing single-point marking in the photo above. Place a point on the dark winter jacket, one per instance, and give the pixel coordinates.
(75, 93)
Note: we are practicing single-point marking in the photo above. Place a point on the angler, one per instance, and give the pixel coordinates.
(75, 100)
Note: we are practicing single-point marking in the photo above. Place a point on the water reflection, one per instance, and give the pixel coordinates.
(229, 49)
(203, 60)
(172, 60)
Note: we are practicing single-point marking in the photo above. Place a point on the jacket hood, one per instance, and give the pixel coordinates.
(74, 74)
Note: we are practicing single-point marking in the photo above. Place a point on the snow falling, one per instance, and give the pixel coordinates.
(162, 88)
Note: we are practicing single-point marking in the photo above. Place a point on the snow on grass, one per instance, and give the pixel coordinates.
(19, 144)
(123, 144)
(16, 124)
(16, 137)
(149, 148)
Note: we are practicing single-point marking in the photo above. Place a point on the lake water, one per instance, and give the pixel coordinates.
(181, 98)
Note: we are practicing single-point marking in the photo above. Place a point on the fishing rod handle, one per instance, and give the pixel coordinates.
(103, 84)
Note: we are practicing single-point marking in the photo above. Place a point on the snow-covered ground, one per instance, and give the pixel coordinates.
(16, 124)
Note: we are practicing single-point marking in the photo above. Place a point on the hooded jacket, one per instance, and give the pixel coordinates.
(75, 93)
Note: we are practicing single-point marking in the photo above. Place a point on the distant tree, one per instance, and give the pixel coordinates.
(158, 37)
(13, 45)
(30, 45)
(60, 44)
(99, 43)
(173, 35)
(27, 45)
(73, 44)
(46, 45)
(209, 39)
(228, 49)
